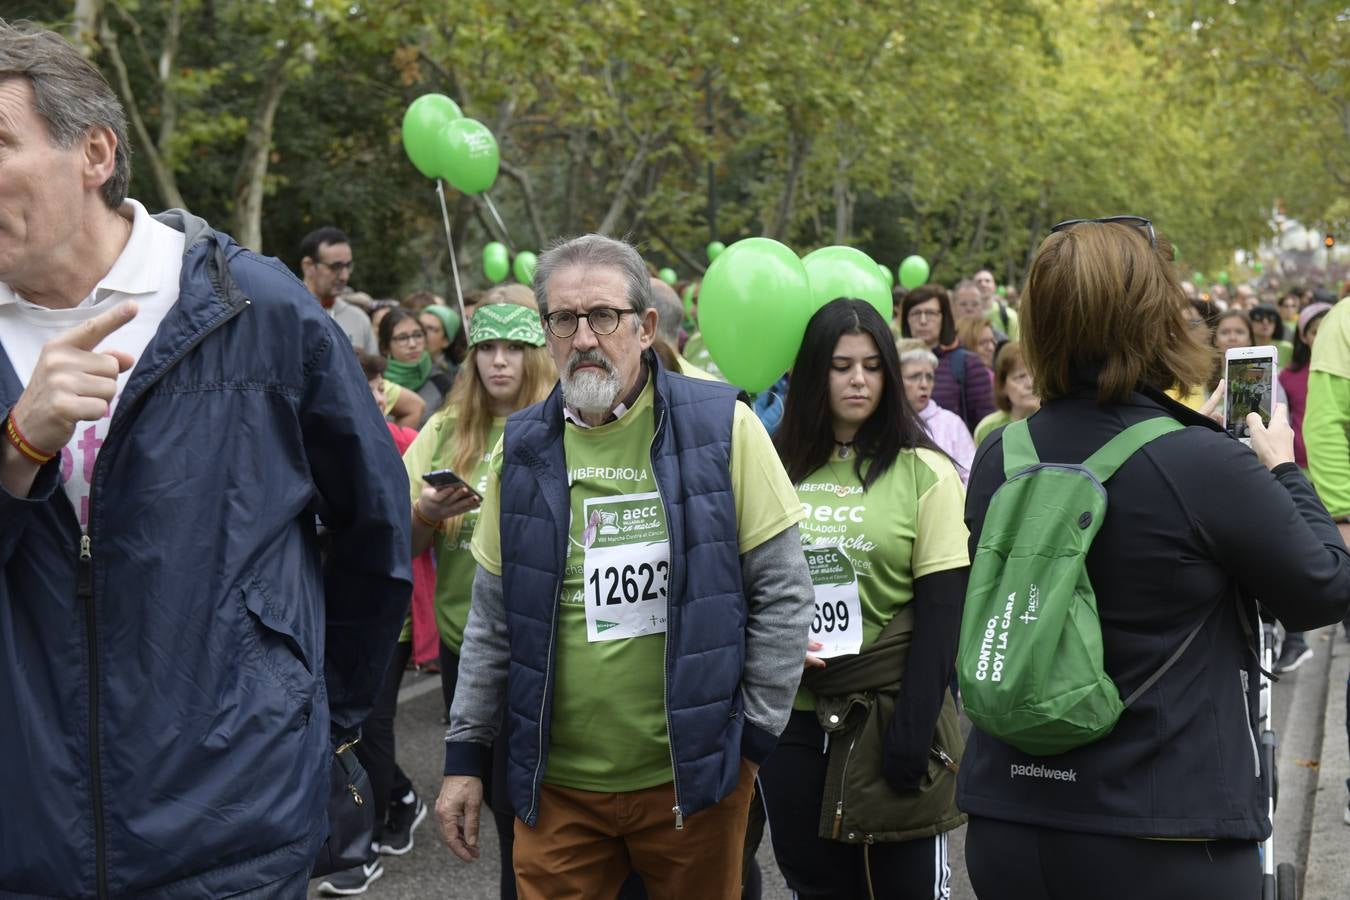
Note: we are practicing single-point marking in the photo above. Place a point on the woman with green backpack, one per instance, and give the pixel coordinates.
(1119, 540)
(860, 791)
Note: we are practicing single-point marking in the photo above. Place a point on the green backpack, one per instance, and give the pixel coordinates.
(1030, 659)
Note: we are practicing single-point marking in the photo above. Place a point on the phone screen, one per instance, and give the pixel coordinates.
(1251, 389)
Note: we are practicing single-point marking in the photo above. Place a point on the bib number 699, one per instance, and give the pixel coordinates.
(830, 617)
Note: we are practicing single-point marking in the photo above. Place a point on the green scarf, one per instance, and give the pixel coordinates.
(409, 375)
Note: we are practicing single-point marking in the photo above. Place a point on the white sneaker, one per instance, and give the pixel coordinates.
(352, 881)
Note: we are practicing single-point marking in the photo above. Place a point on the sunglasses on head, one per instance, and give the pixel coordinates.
(1137, 221)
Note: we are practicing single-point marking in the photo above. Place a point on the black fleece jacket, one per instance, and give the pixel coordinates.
(1194, 523)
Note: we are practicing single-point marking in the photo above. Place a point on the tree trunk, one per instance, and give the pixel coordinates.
(250, 180)
(165, 180)
(799, 147)
(84, 26)
(843, 209)
(522, 178)
(630, 176)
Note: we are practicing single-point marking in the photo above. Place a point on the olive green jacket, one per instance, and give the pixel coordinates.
(855, 700)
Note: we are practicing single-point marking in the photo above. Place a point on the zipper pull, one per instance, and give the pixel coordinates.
(945, 759)
(679, 817)
(838, 820)
(85, 552)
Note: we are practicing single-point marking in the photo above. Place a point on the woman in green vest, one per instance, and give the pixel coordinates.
(1014, 392)
(507, 369)
(860, 791)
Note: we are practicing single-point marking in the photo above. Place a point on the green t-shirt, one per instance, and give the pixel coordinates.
(1328, 411)
(996, 419)
(1013, 328)
(908, 524)
(608, 729)
(454, 563)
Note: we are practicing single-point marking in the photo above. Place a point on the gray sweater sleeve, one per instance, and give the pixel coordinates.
(781, 602)
(481, 689)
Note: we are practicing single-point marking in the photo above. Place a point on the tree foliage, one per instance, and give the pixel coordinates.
(957, 131)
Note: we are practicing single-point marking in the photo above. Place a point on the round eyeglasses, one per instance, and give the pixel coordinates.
(602, 320)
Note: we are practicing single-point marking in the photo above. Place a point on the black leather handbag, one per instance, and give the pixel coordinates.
(351, 815)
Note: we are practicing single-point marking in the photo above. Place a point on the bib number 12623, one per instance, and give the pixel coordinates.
(626, 573)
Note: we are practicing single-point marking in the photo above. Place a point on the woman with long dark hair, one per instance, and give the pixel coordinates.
(887, 548)
(963, 384)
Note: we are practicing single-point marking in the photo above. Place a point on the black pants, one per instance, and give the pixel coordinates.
(376, 749)
(1010, 861)
(793, 780)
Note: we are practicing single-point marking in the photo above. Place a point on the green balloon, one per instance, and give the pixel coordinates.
(753, 307)
(668, 276)
(496, 261)
(913, 272)
(422, 124)
(886, 276)
(846, 272)
(467, 156)
(524, 266)
(1258, 266)
(1197, 277)
(715, 249)
(1223, 277)
(1002, 290)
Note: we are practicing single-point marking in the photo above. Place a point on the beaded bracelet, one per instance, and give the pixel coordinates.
(21, 444)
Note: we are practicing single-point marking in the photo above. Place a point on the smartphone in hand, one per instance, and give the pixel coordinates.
(442, 478)
(1250, 374)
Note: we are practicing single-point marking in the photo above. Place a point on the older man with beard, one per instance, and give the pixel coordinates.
(641, 607)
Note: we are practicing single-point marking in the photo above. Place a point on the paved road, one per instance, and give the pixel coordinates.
(430, 871)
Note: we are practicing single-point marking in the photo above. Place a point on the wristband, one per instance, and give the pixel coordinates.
(430, 523)
(20, 443)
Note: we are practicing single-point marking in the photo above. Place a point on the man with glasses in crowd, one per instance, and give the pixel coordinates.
(326, 265)
(641, 606)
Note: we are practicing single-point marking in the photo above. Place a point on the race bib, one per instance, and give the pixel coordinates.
(838, 620)
(627, 567)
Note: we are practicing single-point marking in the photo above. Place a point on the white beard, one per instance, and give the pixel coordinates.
(591, 391)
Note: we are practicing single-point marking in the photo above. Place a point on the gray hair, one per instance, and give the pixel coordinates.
(919, 356)
(595, 250)
(70, 95)
(670, 311)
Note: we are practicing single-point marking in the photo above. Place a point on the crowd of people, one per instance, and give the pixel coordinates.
(240, 503)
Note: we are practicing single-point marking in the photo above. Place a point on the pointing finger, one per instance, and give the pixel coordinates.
(87, 335)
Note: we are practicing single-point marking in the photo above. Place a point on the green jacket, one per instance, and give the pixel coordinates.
(855, 700)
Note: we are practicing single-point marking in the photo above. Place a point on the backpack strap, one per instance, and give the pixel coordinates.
(958, 371)
(1018, 451)
(1104, 463)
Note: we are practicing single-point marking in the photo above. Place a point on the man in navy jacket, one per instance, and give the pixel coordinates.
(175, 410)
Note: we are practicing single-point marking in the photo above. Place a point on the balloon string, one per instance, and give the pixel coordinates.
(500, 224)
(454, 265)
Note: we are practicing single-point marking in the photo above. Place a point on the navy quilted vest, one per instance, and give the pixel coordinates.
(705, 640)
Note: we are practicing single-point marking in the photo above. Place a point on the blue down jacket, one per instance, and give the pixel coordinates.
(166, 684)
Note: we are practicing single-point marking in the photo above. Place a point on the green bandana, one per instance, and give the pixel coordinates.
(505, 322)
(409, 375)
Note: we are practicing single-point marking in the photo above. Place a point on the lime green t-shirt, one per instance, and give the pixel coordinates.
(1327, 417)
(608, 730)
(1013, 328)
(908, 524)
(454, 563)
(996, 419)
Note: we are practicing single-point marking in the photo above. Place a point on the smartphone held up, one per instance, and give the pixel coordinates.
(1250, 373)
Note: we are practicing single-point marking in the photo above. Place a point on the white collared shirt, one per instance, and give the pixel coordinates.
(147, 271)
